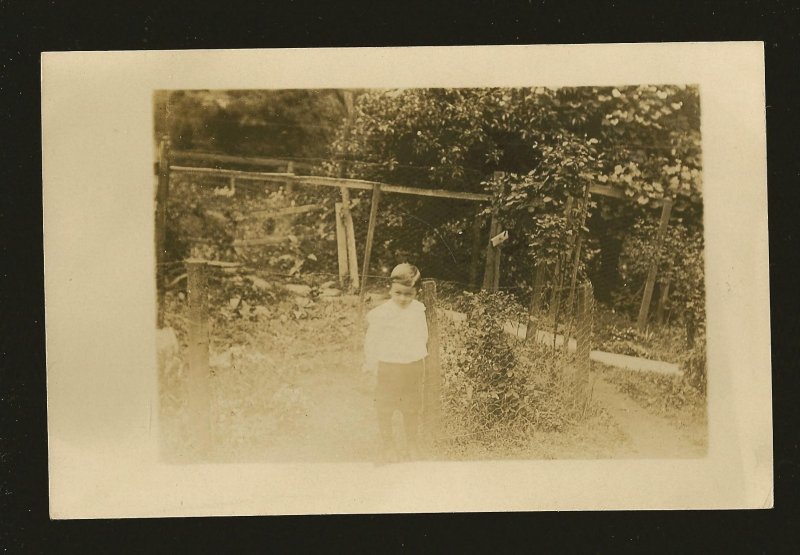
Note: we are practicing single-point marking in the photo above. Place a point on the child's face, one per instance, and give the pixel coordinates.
(402, 295)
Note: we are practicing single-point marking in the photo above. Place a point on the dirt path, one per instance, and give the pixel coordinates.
(646, 435)
(337, 423)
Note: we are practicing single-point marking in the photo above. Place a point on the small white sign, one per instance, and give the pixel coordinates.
(500, 238)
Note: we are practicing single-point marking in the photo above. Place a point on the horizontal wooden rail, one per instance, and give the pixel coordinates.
(602, 190)
(332, 182)
(251, 160)
(283, 212)
(386, 188)
(261, 241)
(238, 174)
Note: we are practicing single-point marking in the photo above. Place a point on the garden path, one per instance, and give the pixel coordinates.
(647, 435)
(337, 423)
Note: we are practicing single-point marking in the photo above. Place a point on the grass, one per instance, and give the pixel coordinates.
(616, 332)
(268, 350)
(667, 396)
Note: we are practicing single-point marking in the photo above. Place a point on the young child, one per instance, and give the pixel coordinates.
(395, 348)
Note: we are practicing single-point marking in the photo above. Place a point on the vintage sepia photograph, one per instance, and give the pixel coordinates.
(411, 280)
(396, 275)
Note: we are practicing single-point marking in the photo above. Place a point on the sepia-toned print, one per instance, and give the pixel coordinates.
(398, 275)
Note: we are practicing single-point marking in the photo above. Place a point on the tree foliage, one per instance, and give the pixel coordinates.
(550, 143)
(286, 123)
(643, 141)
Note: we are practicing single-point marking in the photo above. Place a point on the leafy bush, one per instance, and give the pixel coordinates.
(206, 216)
(694, 364)
(494, 382)
(680, 264)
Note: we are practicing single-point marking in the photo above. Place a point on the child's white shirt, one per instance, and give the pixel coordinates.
(395, 334)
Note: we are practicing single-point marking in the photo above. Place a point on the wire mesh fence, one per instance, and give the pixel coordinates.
(261, 288)
(248, 342)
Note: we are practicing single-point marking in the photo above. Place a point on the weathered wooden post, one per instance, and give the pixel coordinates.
(491, 254)
(584, 209)
(644, 309)
(558, 274)
(536, 301)
(663, 299)
(162, 198)
(584, 327)
(491, 276)
(341, 245)
(432, 379)
(198, 384)
(350, 234)
(583, 334)
(475, 251)
(289, 182)
(373, 219)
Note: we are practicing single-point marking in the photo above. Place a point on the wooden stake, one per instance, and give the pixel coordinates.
(289, 182)
(584, 327)
(432, 379)
(663, 298)
(558, 274)
(577, 254)
(352, 257)
(475, 251)
(644, 309)
(491, 276)
(341, 245)
(162, 198)
(491, 253)
(198, 378)
(535, 302)
(373, 219)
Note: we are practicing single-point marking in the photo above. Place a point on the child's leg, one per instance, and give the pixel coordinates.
(385, 405)
(411, 425)
(385, 424)
(412, 404)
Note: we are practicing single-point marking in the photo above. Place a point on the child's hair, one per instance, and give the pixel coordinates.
(405, 274)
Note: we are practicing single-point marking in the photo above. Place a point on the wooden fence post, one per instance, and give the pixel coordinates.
(663, 299)
(475, 251)
(583, 334)
(584, 208)
(644, 309)
(491, 253)
(535, 302)
(198, 377)
(432, 379)
(162, 198)
(373, 219)
(584, 328)
(558, 274)
(491, 275)
(289, 182)
(352, 258)
(341, 245)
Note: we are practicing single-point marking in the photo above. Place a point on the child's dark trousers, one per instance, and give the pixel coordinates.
(399, 387)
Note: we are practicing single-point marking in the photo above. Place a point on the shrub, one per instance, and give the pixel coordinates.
(494, 382)
(694, 364)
